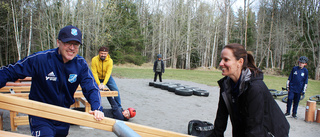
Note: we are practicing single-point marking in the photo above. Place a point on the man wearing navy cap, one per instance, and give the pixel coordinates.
(56, 74)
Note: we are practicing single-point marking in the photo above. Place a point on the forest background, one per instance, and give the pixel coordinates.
(188, 33)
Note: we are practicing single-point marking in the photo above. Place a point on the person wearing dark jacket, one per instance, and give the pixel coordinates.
(158, 68)
(245, 98)
(56, 74)
(118, 113)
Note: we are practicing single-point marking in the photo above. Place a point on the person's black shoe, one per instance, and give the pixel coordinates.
(286, 114)
(294, 116)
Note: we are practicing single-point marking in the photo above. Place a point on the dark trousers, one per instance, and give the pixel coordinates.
(111, 84)
(295, 98)
(41, 127)
(155, 76)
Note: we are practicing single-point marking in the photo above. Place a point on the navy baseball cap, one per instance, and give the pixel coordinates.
(70, 33)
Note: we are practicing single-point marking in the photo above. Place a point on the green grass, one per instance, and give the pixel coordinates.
(210, 78)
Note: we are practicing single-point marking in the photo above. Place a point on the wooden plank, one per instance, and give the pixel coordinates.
(21, 120)
(10, 134)
(18, 84)
(25, 79)
(16, 89)
(75, 117)
(102, 93)
(76, 94)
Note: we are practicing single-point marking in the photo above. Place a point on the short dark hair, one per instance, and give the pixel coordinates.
(105, 49)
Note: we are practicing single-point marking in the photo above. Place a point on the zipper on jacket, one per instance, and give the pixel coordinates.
(102, 69)
(269, 133)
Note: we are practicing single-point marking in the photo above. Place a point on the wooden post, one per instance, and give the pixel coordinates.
(318, 116)
(310, 111)
(12, 116)
(1, 120)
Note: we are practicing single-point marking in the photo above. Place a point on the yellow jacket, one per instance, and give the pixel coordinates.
(99, 71)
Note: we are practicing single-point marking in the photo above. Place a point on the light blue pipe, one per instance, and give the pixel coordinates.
(122, 130)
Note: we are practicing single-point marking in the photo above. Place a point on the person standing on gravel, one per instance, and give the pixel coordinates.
(101, 66)
(296, 85)
(245, 98)
(56, 75)
(158, 68)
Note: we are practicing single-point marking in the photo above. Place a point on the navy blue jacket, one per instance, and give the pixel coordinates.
(53, 81)
(298, 78)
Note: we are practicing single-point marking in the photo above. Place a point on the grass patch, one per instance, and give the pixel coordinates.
(209, 77)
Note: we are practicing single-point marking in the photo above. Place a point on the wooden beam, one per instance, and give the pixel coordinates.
(18, 84)
(53, 112)
(10, 134)
(25, 79)
(20, 88)
(76, 94)
(16, 89)
(75, 117)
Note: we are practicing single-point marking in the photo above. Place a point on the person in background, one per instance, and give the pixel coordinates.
(56, 74)
(101, 67)
(158, 68)
(296, 85)
(245, 98)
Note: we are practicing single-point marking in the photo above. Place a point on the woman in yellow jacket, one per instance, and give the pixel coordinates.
(101, 66)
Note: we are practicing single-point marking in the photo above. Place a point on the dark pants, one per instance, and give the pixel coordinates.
(111, 84)
(41, 127)
(295, 98)
(116, 111)
(155, 76)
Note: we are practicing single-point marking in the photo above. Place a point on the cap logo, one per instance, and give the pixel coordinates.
(74, 32)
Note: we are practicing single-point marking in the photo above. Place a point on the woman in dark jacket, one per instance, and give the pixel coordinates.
(246, 99)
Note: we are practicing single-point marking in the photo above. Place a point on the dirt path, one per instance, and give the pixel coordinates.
(162, 109)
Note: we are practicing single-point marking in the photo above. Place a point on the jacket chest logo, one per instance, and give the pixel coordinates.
(51, 76)
(72, 78)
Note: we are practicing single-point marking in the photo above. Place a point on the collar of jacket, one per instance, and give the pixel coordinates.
(224, 83)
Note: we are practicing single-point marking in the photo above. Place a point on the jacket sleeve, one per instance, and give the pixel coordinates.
(255, 104)
(94, 64)
(154, 66)
(90, 88)
(108, 72)
(18, 70)
(220, 123)
(290, 76)
(305, 82)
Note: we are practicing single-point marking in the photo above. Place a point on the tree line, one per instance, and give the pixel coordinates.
(188, 33)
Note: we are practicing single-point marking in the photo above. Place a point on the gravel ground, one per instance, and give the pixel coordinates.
(164, 110)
